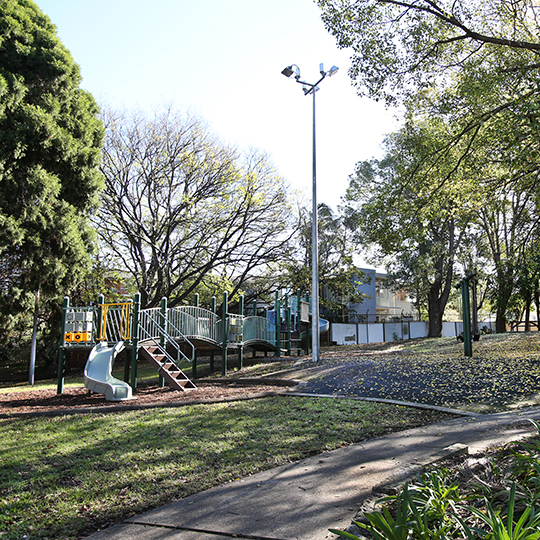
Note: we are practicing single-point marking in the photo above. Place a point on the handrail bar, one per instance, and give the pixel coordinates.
(146, 313)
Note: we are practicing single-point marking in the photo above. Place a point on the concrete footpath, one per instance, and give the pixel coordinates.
(301, 501)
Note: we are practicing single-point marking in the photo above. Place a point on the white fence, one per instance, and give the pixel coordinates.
(357, 333)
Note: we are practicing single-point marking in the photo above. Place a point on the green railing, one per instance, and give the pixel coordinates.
(259, 329)
(87, 326)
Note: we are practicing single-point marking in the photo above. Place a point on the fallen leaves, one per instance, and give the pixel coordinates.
(504, 370)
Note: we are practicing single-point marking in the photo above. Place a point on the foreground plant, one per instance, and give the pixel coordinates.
(432, 509)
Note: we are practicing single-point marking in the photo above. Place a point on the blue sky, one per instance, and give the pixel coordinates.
(222, 60)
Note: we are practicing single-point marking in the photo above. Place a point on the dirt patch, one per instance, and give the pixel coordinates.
(38, 401)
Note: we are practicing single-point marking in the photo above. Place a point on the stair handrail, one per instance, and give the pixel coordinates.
(146, 313)
(172, 339)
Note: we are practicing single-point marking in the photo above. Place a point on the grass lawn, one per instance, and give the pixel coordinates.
(64, 477)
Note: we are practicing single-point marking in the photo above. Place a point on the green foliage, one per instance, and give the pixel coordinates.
(404, 47)
(50, 142)
(467, 76)
(431, 509)
(404, 212)
(339, 278)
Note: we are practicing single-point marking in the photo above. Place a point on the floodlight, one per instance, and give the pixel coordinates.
(333, 70)
(287, 71)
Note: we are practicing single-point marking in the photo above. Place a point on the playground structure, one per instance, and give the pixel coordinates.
(168, 337)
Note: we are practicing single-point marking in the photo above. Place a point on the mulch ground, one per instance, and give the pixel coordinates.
(38, 401)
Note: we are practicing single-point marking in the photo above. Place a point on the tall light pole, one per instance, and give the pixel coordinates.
(309, 88)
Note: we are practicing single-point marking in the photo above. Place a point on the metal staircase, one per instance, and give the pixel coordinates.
(167, 368)
(154, 349)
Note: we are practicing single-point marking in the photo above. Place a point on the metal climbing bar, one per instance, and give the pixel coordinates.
(115, 322)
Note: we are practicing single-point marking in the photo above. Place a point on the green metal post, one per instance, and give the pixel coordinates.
(135, 340)
(224, 335)
(289, 335)
(195, 353)
(287, 312)
(307, 331)
(467, 339)
(266, 317)
(127, 359)
(62, 352)
(241, 346)
(298, 320)
(277, 310)
(163, 339)
(254, 314)
(213, 310)
(101, 302)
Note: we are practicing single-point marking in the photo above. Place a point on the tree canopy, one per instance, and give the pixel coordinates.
(403, 46)
(50, 143)
(180, 208)
(470, 67)
(397, 208)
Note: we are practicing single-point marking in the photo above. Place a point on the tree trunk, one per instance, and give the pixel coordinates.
(537, 304)
(505, 284)
(434, 311)
(34, 342)
(500, 321)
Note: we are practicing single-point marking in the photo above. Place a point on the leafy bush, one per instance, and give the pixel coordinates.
(435, 508)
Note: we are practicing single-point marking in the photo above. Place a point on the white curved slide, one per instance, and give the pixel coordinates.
(323, 326)
(97, 373)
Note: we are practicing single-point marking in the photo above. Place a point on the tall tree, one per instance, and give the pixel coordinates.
(474, 66)
(50, 143)
(179, 207)
(398, 208)
(338, 276)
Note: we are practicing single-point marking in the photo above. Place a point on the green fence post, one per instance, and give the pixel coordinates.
(195, 352)
(62, 352)
(308, 330)
(299, 321)
(101, 335)
(163, 339)
(224, 334)
(277, 311)
(254, 314)
(135, 340)
(289, 334)
(467, 338)
(213, 310)
(241, 345)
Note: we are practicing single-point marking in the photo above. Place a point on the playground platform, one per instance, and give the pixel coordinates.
(169, 338)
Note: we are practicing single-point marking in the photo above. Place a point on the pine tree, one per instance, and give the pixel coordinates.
(50, 148)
